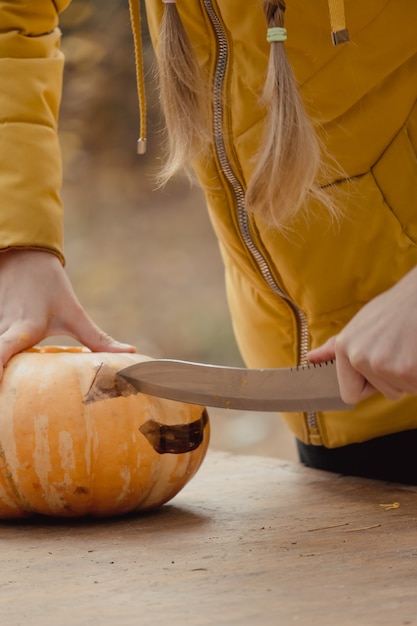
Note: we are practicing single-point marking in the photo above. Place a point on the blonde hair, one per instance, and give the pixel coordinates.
(183, 96)
(289, 159)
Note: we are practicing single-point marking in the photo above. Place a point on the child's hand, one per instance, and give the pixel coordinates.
(377, 350)
(37, 301)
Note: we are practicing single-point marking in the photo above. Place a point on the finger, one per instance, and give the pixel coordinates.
(325, 352)
(82, 328)
(381, 385)
(98, 341)
(356, 385)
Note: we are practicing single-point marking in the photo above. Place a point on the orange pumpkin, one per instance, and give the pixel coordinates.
(63, 456)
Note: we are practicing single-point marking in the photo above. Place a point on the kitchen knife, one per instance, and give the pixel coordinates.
(306, 388)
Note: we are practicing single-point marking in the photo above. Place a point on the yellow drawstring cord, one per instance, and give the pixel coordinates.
(340, 33)
(135, 20)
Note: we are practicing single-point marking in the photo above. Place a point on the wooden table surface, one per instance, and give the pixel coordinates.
(250, 541)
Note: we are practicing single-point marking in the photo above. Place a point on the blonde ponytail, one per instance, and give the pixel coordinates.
(182, 95)
(289, 160)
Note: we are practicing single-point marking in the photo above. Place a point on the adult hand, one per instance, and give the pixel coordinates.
(37, 301)
(377, 350)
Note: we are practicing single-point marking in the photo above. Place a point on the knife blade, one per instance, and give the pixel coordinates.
(306, 388)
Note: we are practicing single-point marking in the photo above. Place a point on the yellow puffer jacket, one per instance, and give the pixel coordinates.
(30, 172)
(285, 294)
(290, 293)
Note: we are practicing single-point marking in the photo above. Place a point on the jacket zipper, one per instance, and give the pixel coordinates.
(239, 194)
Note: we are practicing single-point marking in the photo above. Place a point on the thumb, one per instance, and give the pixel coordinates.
(325, 352)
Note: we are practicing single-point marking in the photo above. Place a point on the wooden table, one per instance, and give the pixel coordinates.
(250, 541)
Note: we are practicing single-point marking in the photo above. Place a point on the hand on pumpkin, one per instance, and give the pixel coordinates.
(377, 350)
(37, 301)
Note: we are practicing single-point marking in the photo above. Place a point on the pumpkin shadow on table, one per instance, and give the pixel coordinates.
(156, 520)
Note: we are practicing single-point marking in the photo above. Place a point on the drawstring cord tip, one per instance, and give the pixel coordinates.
(340, 36)
(340, 33)
(141, 146)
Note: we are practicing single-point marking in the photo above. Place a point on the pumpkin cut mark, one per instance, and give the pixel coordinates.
(107, 384)
(177, 438)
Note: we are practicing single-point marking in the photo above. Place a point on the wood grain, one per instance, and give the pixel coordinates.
(250, 541)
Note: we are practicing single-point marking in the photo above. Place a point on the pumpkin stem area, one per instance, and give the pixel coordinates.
(55, 349)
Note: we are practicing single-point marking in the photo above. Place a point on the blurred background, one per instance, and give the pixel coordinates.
(143, 261)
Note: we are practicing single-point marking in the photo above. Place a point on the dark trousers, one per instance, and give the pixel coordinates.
(392, 458)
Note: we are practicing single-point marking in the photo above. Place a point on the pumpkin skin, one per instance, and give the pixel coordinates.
(60, 456)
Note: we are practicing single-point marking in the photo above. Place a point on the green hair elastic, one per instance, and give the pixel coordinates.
(276, 34)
